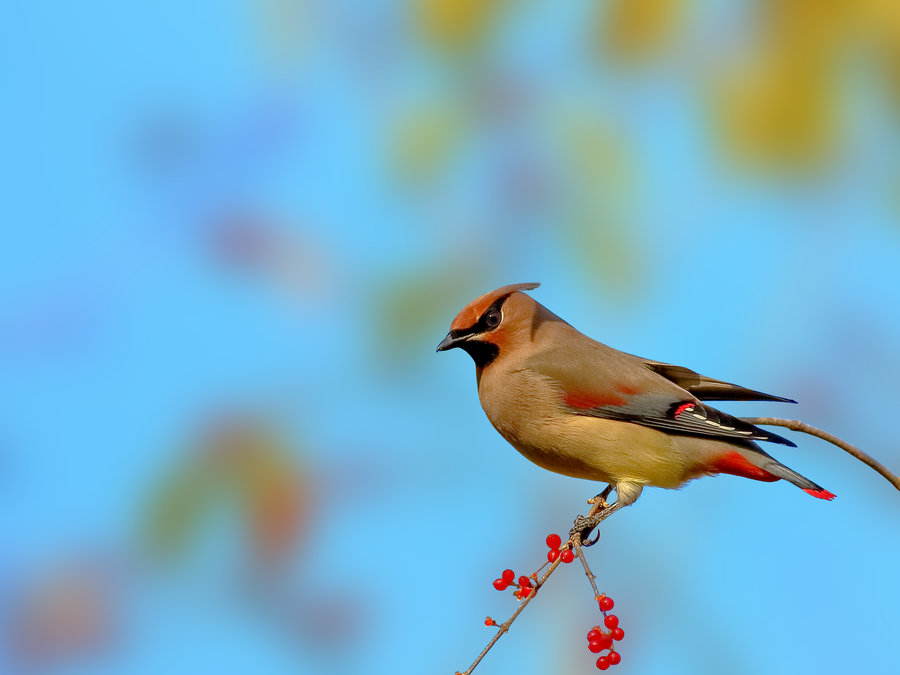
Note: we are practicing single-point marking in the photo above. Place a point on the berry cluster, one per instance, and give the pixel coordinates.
(554, 542)
(508, 578)
(599, 640)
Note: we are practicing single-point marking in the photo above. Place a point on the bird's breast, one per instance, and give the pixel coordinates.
(526, 409)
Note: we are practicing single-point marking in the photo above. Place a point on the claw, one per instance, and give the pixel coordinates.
(583, 526)
(593, 541)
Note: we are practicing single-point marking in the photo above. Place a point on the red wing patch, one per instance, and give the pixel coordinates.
(628, 389)
(588, 400)
(736, 464)
(684, 407)
(700, 420)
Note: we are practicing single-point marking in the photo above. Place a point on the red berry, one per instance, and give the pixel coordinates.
(606, 603)
(611, 621)
(525, 590)
(508, 576)
(594, 633)
(553, 541)
(617, 633)
(524, 581)
(605, 640)
(595, 646)
(500, 584)
(567, 556)
(603, 663)
(614, 658)
(552, 555)
(489, 622)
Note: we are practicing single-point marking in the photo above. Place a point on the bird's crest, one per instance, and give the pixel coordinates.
(473, 311)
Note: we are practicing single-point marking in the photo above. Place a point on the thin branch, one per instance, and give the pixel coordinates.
(601, 510)
(575, 542)
(797, 425)
(587, 570)
(506, 624)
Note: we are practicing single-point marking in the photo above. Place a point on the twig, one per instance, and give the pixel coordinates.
(797, 425)
(574, 542)
(587, 570)
(506, 624)
(576, 545)
(602, 511)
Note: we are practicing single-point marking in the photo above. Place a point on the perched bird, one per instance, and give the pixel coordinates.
(577, 407)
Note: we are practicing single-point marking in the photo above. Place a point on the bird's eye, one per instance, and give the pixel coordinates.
(493, 318)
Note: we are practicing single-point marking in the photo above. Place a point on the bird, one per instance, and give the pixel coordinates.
(578, 407)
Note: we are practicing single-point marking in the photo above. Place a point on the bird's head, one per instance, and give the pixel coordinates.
(491, 322)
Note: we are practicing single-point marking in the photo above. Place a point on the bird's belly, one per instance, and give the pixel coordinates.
(528, 412)
(589, 447)
(610, 451)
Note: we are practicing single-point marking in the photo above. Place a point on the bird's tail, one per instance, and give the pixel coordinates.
(753, 462)
(779, 470)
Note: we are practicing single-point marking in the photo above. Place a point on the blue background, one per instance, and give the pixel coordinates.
(389, 171)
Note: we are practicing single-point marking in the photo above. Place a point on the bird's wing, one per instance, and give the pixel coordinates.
(687, 417)
(598, 381)
(708, 389)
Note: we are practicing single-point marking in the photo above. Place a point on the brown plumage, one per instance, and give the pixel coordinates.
(580, 408)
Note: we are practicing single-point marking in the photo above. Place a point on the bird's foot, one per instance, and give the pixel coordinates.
(599, 499)
(584, 525)
(601, 510)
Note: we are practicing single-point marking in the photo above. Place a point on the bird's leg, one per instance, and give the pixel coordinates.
(600, 511)
(601, 498)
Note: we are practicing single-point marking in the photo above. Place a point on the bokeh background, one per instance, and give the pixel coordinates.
(234, 232)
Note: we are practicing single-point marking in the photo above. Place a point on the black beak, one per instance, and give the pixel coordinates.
(450, 342)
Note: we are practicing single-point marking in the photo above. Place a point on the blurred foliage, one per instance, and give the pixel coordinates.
(66, 614)
(458, 27)
(284, 256)
(775, 95)
(289, 27)
(781, 104)
(600, 245)
(780, 111)
(413, 302)
(597, 152)
(241, 465)
(600, 209)
(631, 31)
(421, 144)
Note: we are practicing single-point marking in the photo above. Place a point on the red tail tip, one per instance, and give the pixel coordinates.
(821, 494)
